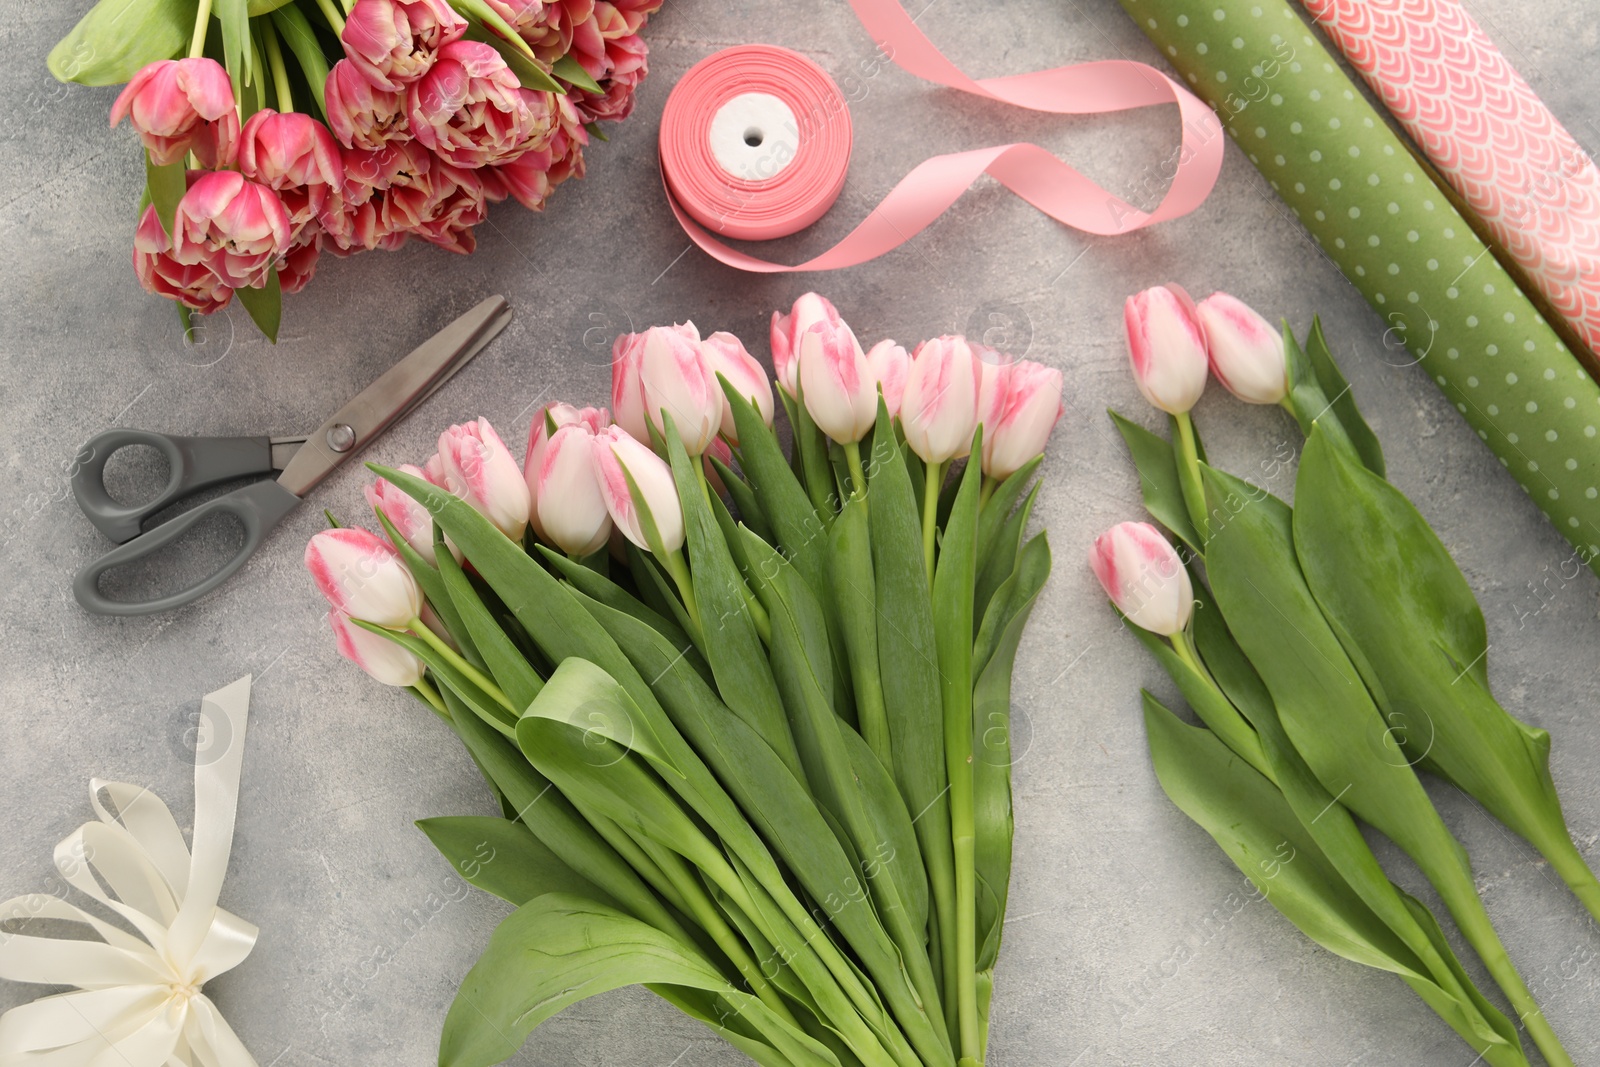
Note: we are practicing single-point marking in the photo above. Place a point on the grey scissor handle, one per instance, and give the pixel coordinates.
(193, 463)
(258, 507)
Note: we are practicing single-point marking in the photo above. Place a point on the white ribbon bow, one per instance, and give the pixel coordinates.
(137, 1002)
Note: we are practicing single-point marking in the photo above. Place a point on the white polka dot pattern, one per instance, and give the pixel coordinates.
(1381, 219)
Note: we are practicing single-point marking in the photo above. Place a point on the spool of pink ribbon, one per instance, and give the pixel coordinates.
(755, 144)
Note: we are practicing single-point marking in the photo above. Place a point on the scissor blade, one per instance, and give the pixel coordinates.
(399, 389)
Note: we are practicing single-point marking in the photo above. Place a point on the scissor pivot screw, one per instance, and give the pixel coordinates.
(341, 437)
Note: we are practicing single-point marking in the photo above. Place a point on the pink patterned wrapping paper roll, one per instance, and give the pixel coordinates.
(1487, 132)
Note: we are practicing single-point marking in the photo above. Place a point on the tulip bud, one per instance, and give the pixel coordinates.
(394, 42)
(472, 111)
(727, 356)
(1166, 347)
(363, 576)
(890, 365)
(1143, 576)
(994, 371)
(616, 452)
(1246, 352)
(374, 653)
(572, 512)
(1024, 418)
(675, 376)
(194, 284)
(236, 227)
(478, 468)
(360, 114)
(940, 408)
(538, 439)
(181, 106)
(627, 399)
(411, 520)
(836, 382)
(785, 334)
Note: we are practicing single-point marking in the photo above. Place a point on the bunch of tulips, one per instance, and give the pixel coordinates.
(746, 713)
(1333, 652)
(291, 127)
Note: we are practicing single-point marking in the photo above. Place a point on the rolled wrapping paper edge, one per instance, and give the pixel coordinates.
(1542, 422)
(1555, 269)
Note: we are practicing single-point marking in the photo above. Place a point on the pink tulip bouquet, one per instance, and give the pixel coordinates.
(1334, 654)
(275, 130)
(746, 713)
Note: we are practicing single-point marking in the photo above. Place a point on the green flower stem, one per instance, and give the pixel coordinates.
(963, 838)
(987, 490)
(477, 677)
(679, 569)
(202, 22)
(430, 695)
(1188, 455)
(858, 476)
(280, 73)
(1185, 650)
(331, 13)
(1467, 908)
(933, 474)
(704, 911)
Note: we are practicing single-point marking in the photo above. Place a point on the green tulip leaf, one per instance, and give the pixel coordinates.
(265, 304)
(165, 186)
(1159, 483)
(296, 31)
(1342, 400)
(571, 71)
(517, 56)
(117, 38)
(501, 856)
(1388, 584)
(559, 949)
(732, 646)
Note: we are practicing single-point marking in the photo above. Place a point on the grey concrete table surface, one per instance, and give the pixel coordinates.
(1132, 940)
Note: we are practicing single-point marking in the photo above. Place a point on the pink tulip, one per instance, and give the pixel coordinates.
(234, 226)
(728, 357)
(676, 379)
(194, 285)
(836, 382)
(939, 411)
(615, 453)
(363, 576)
(410, 519)
(890, 365)
(295, 155)
(807, 311)
(1023, 419)
(994, 370)
(298, 265)
(377, 655)
(478, 468)
(627, 399)
(1144, 577)
(360, 114)
(595, 419)
(180, 106)
(471, 109)
(1246, 352)
(572, 510)
(1166, 347)
(394, 42)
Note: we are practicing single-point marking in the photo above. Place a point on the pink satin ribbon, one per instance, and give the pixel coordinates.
(1028, 170)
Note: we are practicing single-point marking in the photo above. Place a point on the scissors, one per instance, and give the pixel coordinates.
(196, 463)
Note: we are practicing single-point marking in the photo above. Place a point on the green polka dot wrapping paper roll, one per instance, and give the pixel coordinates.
(1372, 208)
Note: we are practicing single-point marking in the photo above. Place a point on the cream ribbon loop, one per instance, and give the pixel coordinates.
(138, 1001)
